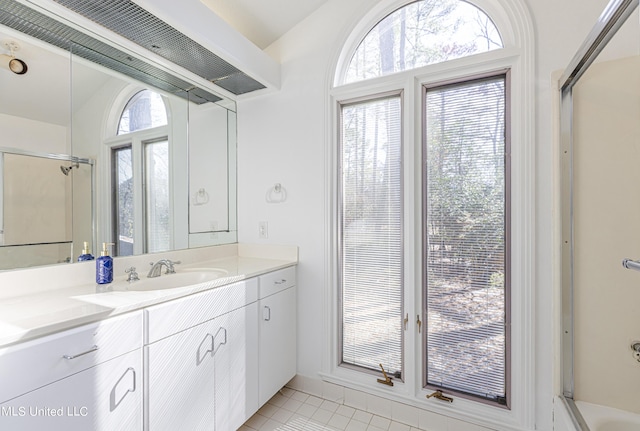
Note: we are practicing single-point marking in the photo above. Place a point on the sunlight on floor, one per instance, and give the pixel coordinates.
(292, 410)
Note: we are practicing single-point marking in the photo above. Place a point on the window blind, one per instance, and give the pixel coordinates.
(123, 200)
(371, 234)
(465, 248)
(157, 196)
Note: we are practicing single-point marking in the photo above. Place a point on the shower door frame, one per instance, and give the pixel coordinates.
(612, 18)
(50, 156)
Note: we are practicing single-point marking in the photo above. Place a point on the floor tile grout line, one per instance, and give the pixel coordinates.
(330, 411)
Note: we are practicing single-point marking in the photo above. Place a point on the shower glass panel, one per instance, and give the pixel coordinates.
(606, 156)
(40, 197)
(37, 200)
(600, 140)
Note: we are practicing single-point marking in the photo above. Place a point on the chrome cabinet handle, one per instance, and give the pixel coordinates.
(266, 313)
(282, 281)
(93, 349)
(112, 396)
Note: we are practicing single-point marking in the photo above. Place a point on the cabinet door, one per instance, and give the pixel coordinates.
(236, 367)
(180, 393)
(277, 334)
(105, 397)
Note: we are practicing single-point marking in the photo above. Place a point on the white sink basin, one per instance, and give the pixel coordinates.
(182, 278)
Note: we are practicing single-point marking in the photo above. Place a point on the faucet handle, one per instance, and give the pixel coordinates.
(170, 268)
(133, 275)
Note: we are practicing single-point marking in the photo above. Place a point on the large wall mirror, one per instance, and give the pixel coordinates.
(89, 154)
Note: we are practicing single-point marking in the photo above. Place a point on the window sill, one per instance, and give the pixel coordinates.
(362, 391)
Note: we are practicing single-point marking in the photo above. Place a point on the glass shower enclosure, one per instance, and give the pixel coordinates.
(600, 165)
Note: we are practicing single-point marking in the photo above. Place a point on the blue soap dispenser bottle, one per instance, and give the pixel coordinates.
(104, 266)
(86, 255)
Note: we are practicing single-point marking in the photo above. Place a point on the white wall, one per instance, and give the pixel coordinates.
(560, 29)
(282, 138)
(32, 135)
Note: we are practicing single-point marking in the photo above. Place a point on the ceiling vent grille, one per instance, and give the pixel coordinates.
(141, 27)
(35, 24)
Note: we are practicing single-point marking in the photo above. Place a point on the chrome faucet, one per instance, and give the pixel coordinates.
(156, 268)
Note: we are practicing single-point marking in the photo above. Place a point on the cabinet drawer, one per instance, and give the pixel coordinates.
(277, 281)
(106, 397)
(166, 319)
(33, 364)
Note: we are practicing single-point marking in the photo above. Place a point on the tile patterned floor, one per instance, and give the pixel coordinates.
(292, 410)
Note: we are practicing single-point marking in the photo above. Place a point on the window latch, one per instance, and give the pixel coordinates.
(387, 380)
(419, 322)
(439, 395)
(406, 321)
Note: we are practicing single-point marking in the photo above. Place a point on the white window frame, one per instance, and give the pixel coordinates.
(137, 140)
(513, 21)
(370, 98)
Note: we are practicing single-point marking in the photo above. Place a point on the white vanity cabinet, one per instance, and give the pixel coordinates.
(87, 378)
(236, 368)
(207, 361)
(277, 331)
(181, 380)
(202, 360)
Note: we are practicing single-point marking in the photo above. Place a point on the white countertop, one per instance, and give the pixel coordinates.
(28, 311)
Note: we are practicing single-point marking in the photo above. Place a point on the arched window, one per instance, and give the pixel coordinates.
(144, 110)
(422, 33)
(433, 163)
(140, 181)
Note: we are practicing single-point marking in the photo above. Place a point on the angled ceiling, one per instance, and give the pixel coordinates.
(263, 21)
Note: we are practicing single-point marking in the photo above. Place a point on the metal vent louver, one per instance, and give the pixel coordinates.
(136, 24)
(32, 23)
(35, 24)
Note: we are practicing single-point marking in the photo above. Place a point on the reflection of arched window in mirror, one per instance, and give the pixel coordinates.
(140, 182)
(144, 110)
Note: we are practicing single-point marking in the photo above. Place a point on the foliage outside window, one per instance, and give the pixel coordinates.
(145, 110)
(123, 214)
(141, 177)
(423, 33)
(157, 205)
(371, 247)
(464, 229)
(464, 319)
